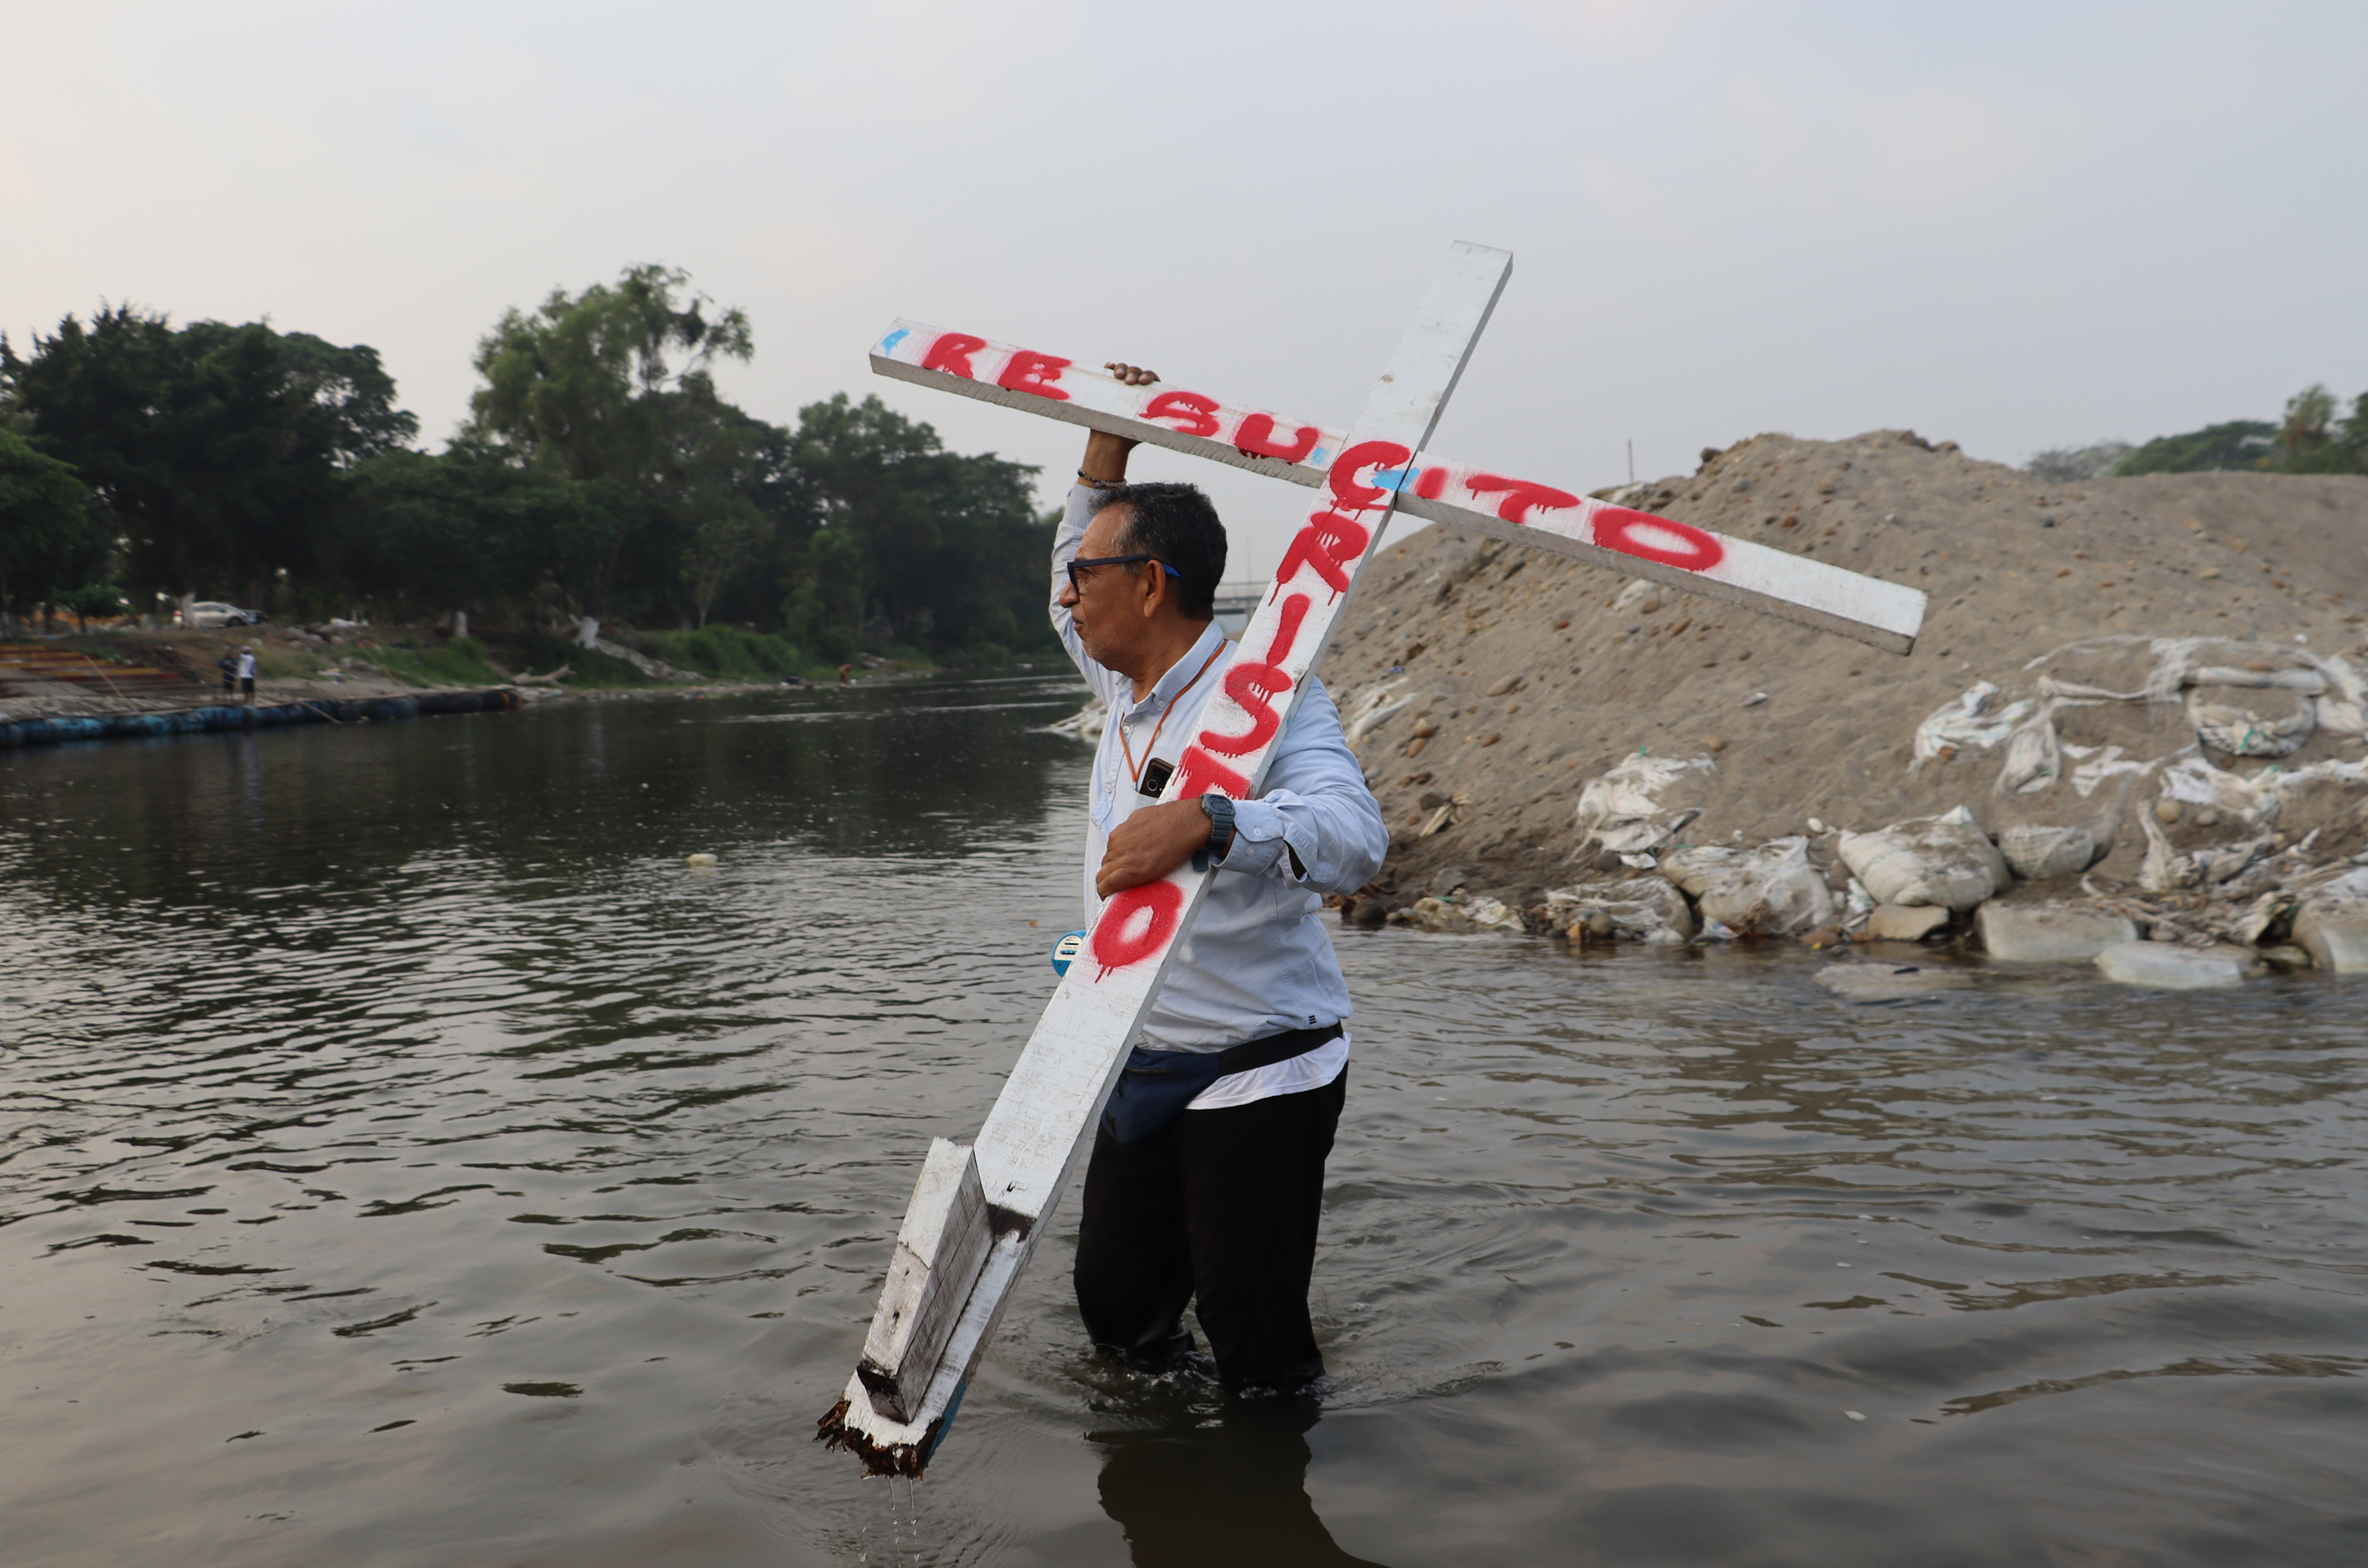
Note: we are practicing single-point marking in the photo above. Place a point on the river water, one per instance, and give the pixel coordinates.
(409, 1161)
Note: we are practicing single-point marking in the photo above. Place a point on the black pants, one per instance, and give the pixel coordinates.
(1224, 1206)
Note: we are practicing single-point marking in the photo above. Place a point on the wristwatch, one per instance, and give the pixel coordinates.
(1220, 825)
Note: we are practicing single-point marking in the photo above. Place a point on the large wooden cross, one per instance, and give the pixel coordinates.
(977, 1212)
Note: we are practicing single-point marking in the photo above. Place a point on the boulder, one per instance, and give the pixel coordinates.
(2332, 924)
(1905, 923)
(2335, 938)
(2050, 933)
(1889, 982)
(2170, 967)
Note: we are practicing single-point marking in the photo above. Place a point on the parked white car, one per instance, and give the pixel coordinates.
(210, 613)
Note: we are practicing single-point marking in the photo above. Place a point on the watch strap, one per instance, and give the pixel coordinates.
(1220, 812)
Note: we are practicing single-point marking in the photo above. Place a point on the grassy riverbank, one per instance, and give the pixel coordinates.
(124, 669)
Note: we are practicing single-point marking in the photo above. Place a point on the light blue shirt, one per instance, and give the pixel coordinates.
(1257, 961)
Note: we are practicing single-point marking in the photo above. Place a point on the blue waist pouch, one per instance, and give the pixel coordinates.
(1157, 1085)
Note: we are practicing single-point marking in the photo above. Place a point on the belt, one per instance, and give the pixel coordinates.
(1274, 1048)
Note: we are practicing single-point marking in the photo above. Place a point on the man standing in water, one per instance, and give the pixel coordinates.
(1206, 1179)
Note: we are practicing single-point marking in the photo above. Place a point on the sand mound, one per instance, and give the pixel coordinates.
(1536, 676)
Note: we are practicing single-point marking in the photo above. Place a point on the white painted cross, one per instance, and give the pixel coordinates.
(1791, 588)
(976, 1213)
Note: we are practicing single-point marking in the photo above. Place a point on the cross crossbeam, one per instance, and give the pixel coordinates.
(1679, 555)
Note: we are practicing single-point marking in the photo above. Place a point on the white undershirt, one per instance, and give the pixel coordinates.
(1311, 1071)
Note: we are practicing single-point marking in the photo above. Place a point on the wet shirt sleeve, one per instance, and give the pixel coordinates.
(1314, 807)
(1080, 511)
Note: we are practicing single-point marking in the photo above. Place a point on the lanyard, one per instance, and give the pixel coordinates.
(1134, 769)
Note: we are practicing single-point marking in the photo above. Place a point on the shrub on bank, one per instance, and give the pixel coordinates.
(732, 653)
(286, 663)
(461, 660)
(540, 653)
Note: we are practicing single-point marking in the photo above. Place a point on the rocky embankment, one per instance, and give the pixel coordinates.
(2136, 711)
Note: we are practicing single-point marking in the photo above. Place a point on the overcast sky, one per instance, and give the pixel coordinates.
(2015, 225)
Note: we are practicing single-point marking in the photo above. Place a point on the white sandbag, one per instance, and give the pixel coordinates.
(2308, 681)
(2040, 853)
(1946, 860)
(1771, 891)
(2195, 782)
(2277, 784)
(1457, 914)
(2097, 765)
(1632, 909)
(2274, 725)
(1624, 810)
(2343, 707)
(1961, 725)
(2342, 716)
(2033, 760)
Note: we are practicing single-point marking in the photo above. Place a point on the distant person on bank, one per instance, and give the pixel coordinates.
(228, 665)
(246, 674)
(1207, 1176)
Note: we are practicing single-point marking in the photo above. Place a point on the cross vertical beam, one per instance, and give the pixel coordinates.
(1039, 1123)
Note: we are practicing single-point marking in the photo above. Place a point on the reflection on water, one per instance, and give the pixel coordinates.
(1229, 1485)
(405, 1159)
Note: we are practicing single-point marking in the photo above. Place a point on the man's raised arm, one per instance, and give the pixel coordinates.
(1104, 465)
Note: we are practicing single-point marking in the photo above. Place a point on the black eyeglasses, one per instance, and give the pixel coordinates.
(1077, 583)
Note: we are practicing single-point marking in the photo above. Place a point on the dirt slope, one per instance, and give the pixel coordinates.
(1599, 666)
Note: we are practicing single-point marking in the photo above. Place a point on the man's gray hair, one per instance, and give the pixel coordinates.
(1175, 524)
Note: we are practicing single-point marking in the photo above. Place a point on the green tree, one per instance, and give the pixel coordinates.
(420, 535)
(2235, 444)
(2354, 431)
(91, 599)
(2066, 465)
(49, 539)
(612, 385)
(938, 547)
(727, 535)
(2310, 440)
(735, 502)
(825, 610)
(215, 449)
